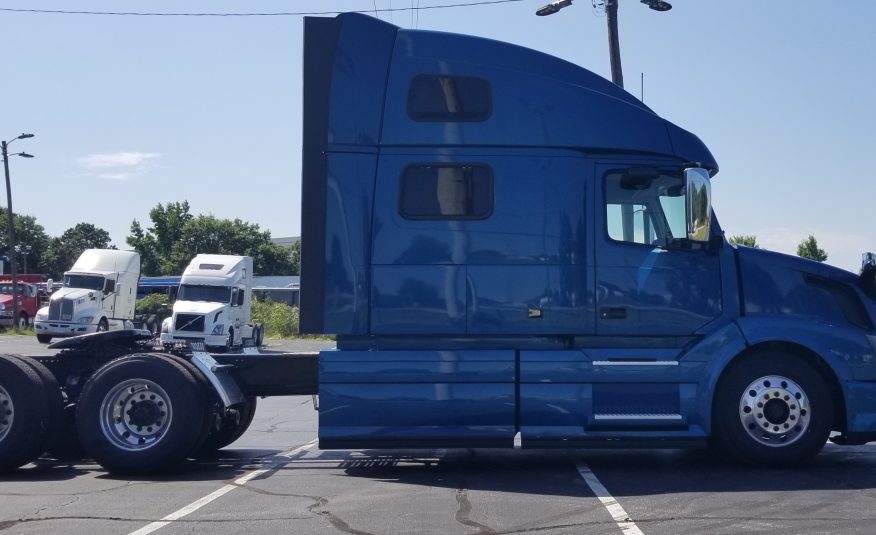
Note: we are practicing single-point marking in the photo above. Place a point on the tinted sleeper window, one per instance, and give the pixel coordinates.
(446, 192)
(449, 98)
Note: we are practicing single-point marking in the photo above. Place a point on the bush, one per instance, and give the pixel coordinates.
(280, 320)
(157, 304)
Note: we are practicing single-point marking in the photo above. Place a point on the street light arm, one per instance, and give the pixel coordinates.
(20, 136)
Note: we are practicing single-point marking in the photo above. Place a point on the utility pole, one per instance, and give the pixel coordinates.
(11, 254)
(9, 221)
(617, 75)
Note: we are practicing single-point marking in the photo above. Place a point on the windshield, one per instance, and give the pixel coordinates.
(87, 282)
(210, 294)
(6, 288)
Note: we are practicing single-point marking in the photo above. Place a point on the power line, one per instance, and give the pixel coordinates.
(270, 14)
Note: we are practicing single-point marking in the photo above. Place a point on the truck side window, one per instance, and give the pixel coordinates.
(644, 210)
(446, 192)
(109, 286)
(443, 98)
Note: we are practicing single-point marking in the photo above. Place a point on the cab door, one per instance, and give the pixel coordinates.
(650, 281)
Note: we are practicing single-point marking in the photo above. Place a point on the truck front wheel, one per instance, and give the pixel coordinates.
(141, 413)
(772, 409)
(44, 338)
(102, 325)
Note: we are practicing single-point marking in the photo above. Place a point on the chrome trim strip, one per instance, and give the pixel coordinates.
(637, 417)
(635, 363)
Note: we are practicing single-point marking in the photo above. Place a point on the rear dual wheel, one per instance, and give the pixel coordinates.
(259, 335)
(143, 413)
(31, 410)
(232, 426)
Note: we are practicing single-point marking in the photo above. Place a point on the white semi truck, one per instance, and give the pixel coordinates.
(213, 304)
(98, 295)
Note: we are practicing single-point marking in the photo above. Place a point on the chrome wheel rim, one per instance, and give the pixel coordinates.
(774, 411)
(7, 413)
(136, 414)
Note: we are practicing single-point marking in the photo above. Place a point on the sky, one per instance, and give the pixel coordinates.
(132, 111)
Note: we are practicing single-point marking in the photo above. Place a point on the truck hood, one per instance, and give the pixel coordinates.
(775, 283)
(5, 299)
(75, 294)
(197, 307)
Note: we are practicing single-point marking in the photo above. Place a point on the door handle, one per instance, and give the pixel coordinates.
(613, 313)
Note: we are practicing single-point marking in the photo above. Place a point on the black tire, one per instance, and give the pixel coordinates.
(229, 345)
(232, 426)
(160, 421)
(25, 414)
(102, 325)
(55, 400)
(260, 334)
(67, 444)
(153, 324)
(772, 409)
(209, 399)
(44, 338)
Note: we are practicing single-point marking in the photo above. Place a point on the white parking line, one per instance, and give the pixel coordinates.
(623, 520)
(243, 480)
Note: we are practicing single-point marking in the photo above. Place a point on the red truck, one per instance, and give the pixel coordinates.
(28, 299)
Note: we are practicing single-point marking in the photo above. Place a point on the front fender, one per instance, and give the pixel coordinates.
(844, 348)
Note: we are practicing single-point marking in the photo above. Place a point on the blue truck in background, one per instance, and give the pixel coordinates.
(510, 247)
(511, 252)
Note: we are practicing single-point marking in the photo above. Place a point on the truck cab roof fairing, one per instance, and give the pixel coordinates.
(538, 99)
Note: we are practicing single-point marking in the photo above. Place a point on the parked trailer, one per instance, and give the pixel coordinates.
(510, 249)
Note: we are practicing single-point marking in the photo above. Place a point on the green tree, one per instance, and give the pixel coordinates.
(808, 248)
(64, 250)
(176, 236)
(31, 241)
(154, 244)
(296, 258)
(746, 240)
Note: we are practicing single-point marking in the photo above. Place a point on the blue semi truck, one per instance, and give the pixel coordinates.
(511, 251)
(508, 246)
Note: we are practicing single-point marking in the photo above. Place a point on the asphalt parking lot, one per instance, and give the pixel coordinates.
(275, 480)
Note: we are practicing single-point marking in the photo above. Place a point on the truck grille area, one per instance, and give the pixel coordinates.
(189, 323)
(61, 310)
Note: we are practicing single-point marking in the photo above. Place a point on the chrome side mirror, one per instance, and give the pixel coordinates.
(698, 203)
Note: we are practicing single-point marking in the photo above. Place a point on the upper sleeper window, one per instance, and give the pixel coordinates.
(446, 192)
(433, 97)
